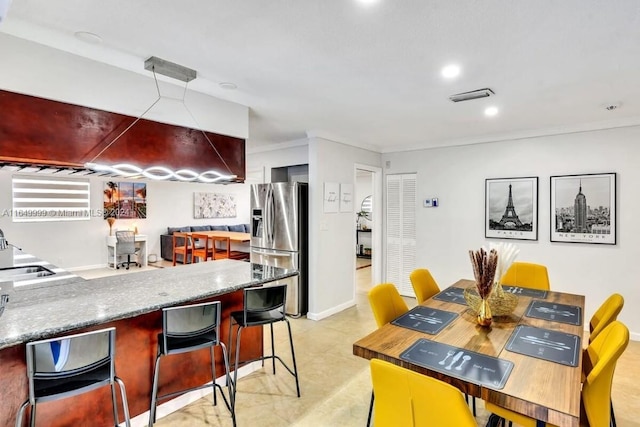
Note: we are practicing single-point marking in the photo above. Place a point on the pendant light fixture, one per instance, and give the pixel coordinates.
(159, 172)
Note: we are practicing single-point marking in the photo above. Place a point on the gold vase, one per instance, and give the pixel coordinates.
(484, 313)
(110, 221)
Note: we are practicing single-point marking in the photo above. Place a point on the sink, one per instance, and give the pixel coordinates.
(27, 272)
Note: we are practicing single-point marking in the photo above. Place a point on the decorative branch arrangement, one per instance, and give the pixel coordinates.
(507, 253)
(484, 269)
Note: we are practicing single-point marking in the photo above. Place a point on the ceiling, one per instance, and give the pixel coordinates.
(370, 75)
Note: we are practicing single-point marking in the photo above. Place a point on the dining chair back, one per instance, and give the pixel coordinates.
(201, 246)
(407, 398)
(220, 247)
(527, 275)
(424, 285)
(181, 246)
(62, 367)
(386, 303)
(599, 365)
(605, 314)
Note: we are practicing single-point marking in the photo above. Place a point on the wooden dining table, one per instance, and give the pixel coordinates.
(234, 236)
(544, 390)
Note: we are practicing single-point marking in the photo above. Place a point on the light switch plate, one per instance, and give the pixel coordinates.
(431, 202)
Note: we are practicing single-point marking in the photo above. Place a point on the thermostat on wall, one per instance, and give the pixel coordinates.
(430, 203)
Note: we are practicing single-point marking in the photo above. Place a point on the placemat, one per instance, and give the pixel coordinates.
(527, 292)
(563, 313)
(425, 319)
(460, 363)
(452, 294)
(554, 346)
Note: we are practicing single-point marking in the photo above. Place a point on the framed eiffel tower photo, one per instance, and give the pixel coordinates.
(511, 208)
(583, 208)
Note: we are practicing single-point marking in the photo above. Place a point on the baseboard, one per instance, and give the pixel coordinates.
(634, 336)
(331, 311)
(181, 401)
(87, 267)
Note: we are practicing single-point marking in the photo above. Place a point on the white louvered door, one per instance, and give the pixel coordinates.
(401, 231)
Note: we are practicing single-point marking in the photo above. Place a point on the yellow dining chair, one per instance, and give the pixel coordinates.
(599, 363)
(424, 286)
(606, 313)
(406, 398)
(527, 275)
(386, 304)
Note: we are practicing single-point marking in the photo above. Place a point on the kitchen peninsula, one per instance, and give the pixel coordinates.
(131, 303)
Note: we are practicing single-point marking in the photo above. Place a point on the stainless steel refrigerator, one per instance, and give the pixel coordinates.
(279, 235)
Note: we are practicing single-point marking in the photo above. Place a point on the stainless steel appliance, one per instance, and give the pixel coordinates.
(279, 235)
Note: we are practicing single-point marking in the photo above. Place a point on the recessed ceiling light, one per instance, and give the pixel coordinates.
(451, 71)
(367, 2)
(228, 85)
(491, 111)
(88, 37)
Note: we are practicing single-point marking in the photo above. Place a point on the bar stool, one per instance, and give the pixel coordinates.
(189, 328)
(262, 306)
(62, 367)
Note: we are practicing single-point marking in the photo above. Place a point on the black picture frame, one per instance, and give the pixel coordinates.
(511, 208)
(583, 208)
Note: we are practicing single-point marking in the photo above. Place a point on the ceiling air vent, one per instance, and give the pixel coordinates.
(474, 94)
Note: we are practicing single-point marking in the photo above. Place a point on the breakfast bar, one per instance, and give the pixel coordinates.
(132, 304)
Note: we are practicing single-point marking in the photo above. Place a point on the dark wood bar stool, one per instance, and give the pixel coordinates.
(262, 306)
(58, 368)
(190, 328)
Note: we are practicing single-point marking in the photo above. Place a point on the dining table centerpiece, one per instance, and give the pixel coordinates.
(500, 303)
(484, 270)
(507, 253)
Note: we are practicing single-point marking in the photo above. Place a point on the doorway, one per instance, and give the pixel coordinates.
(366, 227)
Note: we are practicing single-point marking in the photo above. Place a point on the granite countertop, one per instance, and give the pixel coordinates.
(15, 258)
(41, 312)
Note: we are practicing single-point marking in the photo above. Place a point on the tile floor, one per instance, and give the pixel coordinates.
(335, 385)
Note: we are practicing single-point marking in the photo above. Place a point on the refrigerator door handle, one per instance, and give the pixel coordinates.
(272, 214)
(270, 253)
(268, 221)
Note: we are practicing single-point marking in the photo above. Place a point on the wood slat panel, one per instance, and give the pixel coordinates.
(39, 130)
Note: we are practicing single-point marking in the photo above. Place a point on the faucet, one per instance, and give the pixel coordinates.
(3, 242)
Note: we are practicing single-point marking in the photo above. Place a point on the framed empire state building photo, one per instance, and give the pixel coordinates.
(583, 208)
(511, 208)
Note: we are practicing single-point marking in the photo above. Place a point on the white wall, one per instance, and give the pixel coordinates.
(262, 162)
(331, 235)
(457, 177)
(81, 244)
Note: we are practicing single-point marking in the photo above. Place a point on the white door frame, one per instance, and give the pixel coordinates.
(376, 232)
